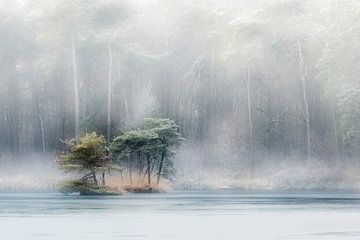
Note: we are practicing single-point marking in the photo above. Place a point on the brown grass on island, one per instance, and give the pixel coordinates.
(138, 185)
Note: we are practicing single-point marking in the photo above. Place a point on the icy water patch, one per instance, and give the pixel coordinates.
(181, 215)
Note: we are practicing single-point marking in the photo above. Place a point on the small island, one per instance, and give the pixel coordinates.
(135, 161)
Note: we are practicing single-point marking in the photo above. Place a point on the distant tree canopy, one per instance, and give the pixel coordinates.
(147, 149)
(243, 79)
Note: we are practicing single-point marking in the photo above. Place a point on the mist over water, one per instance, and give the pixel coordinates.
(32, 173)
(197, 170)
(39, 173)
(266, 93)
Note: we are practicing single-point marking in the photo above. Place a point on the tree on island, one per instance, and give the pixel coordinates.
(144, 152)
(149, 146)
(167, 137)
(132, 147)
(90, 157)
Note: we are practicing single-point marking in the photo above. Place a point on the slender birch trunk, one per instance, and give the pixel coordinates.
(305, 100)
(41, 121)
(336, 136)
(249, 106)
(109, 93)
(76, 90)
(213, 81)
(127, 121)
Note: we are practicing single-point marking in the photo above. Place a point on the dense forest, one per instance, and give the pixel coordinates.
(244, 80)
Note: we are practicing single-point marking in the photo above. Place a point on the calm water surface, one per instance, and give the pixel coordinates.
(180, 216)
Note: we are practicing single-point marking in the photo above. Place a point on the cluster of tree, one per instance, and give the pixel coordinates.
(146, 150)
(242, 78)
(149, 148)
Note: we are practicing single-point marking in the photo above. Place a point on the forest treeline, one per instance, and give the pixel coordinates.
(246, 78)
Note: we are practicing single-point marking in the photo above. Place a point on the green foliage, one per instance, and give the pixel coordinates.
(74, 186)
(88, 154)
(85, 188)
(157, 134)
(153, 143)
(129, 142)
(166, 131)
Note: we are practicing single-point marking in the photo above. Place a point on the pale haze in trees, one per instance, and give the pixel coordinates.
(250, 82)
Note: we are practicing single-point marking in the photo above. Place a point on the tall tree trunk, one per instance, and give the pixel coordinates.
(130, 172)
(13, 112)
(305, 100)
(121, 172)
(160, 168)
(249, 106)
(62, 130)
(126, 104)
(140, 163)
(41, 121)
(213, 82)
(76, 89)
(109, 93)
(148, 169)
(336, 136)
(103, 177)
(94, 176)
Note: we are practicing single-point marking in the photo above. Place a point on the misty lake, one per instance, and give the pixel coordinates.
(181, 215)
